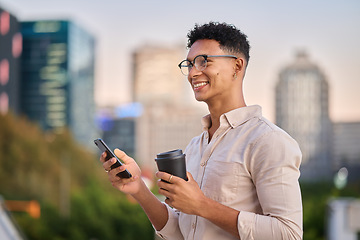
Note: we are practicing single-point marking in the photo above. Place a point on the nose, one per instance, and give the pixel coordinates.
(193, 72)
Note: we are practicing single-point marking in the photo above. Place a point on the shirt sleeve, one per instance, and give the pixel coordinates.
(171, 229)
(274, 166)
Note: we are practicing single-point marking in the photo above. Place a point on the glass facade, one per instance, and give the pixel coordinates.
(81, 65)
(57, 88)
(302, 110)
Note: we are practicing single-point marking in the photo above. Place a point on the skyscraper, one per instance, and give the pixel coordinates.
(57, 88)
(302, 104)
(171, 116)
(10, 52)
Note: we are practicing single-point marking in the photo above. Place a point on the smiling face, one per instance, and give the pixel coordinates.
(216, 82)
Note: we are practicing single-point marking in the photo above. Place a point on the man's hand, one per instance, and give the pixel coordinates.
(126, 185)
(185, 196)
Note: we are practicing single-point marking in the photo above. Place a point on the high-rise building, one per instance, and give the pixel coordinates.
(57, 87)
(171, 116)
(10, 52)
(302, 104)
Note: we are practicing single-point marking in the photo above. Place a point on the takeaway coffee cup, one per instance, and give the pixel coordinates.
(172, 162)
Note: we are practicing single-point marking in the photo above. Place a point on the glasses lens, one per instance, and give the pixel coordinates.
(200, 62)
(185, 67)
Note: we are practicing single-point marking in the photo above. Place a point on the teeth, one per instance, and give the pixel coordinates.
(200, 84)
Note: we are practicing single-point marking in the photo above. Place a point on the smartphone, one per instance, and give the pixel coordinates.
(109, 154)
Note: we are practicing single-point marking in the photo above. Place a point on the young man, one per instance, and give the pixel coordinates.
(243, 170)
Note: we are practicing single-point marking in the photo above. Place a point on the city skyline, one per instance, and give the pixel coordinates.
(326, 30)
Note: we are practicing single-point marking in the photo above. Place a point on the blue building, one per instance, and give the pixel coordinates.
(57, 77)
(118, 126)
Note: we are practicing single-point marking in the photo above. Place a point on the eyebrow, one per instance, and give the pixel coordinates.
(198, 55)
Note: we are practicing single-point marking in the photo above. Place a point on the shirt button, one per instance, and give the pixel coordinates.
(202, 164)
(193, 225)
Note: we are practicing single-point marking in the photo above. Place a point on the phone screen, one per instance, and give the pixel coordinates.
(109, 154)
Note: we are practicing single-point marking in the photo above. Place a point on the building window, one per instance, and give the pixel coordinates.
(4, 103)
(17, 45)
(4, 72)
(4, 23)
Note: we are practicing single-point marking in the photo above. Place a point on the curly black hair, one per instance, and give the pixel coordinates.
(230, 38)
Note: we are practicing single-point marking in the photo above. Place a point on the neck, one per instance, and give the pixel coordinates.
(217, 109)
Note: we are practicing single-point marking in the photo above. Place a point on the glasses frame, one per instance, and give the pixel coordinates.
(192, 64)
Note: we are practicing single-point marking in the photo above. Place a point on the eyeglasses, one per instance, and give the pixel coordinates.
(200, 63)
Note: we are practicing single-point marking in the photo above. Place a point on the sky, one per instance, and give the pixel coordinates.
(328, 30)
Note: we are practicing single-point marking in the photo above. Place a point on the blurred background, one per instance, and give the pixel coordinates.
(73, 71)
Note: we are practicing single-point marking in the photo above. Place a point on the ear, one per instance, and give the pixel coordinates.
(240, 65)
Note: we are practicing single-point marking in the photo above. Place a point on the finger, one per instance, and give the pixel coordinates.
(122, 155)
(107, 164)
(163, 185)
(116, 181)
(189, 176)
(164, 192)
(164, 176)
(168, 177)
(103, 157)
(168, 201)
(117, 170)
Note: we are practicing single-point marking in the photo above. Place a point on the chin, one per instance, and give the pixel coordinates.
(200, 98)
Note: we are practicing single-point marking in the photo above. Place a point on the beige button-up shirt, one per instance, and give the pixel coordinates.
(250, 165)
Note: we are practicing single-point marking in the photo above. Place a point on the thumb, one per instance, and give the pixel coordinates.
(123, 157)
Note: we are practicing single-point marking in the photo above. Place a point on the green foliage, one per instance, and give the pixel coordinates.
(77, 201)
(315, 199)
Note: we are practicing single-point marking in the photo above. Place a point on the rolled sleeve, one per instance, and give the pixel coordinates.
(253, 226)
(171, 229)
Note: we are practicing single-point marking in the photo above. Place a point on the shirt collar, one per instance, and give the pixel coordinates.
(235, 117)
